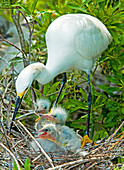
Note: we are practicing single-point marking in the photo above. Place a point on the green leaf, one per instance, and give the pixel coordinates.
(63, 94)
(100, 100)
(78, 8)
(117, 5)
(83, 94)
(23, 6)
(15, 166)
(54, 87)
(27, 164)
(33, 5)
(46, 89)
(108, 89)
(113, 80)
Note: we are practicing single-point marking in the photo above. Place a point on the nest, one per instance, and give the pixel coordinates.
(16, 146)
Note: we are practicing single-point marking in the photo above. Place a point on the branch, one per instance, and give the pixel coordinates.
(21, 35)
(30, 35)
(24, 54)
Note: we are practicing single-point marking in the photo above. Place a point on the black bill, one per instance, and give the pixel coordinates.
(18, 102)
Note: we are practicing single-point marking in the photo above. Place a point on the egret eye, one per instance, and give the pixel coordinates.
(54, 116)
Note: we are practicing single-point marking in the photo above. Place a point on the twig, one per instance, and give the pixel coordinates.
(30, 35)
(25, 115)
(66, 164)
(14, 46)
(11, 155)
(36, 158)
(116, 142)
(21, 35)
(48, 158)
(115, 132)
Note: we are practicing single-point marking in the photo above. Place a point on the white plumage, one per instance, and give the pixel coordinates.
(74, 41)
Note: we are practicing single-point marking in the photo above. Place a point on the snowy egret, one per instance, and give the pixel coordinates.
(43, 107)
(48, 138)
(74, 41)
(57, 115)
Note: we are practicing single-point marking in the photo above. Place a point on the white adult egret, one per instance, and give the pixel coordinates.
(74, 41)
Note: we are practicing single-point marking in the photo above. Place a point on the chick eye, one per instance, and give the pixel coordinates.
(45, 107)
(54, 116)
(46, 130)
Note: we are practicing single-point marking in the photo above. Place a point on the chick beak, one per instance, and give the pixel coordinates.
(45, 135)
(48, 117)
(18, 102)
(41, 111)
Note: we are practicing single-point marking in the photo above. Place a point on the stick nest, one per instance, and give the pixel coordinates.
(17, 146)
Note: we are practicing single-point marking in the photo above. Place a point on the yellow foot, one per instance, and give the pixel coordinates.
(85, 140)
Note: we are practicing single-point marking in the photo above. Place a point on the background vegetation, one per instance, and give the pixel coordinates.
(107, 110)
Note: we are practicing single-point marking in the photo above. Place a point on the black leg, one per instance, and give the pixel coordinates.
(64, 79)
(89, 105)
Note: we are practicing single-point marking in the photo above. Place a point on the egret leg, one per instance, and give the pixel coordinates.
(86, 138)
(89, 105)
(64, 79)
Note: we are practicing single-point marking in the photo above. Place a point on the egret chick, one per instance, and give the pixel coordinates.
(43, 107)
(48, 138)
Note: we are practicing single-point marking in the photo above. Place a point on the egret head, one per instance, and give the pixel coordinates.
(57, 115)
(49, 132)
(23, 83)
